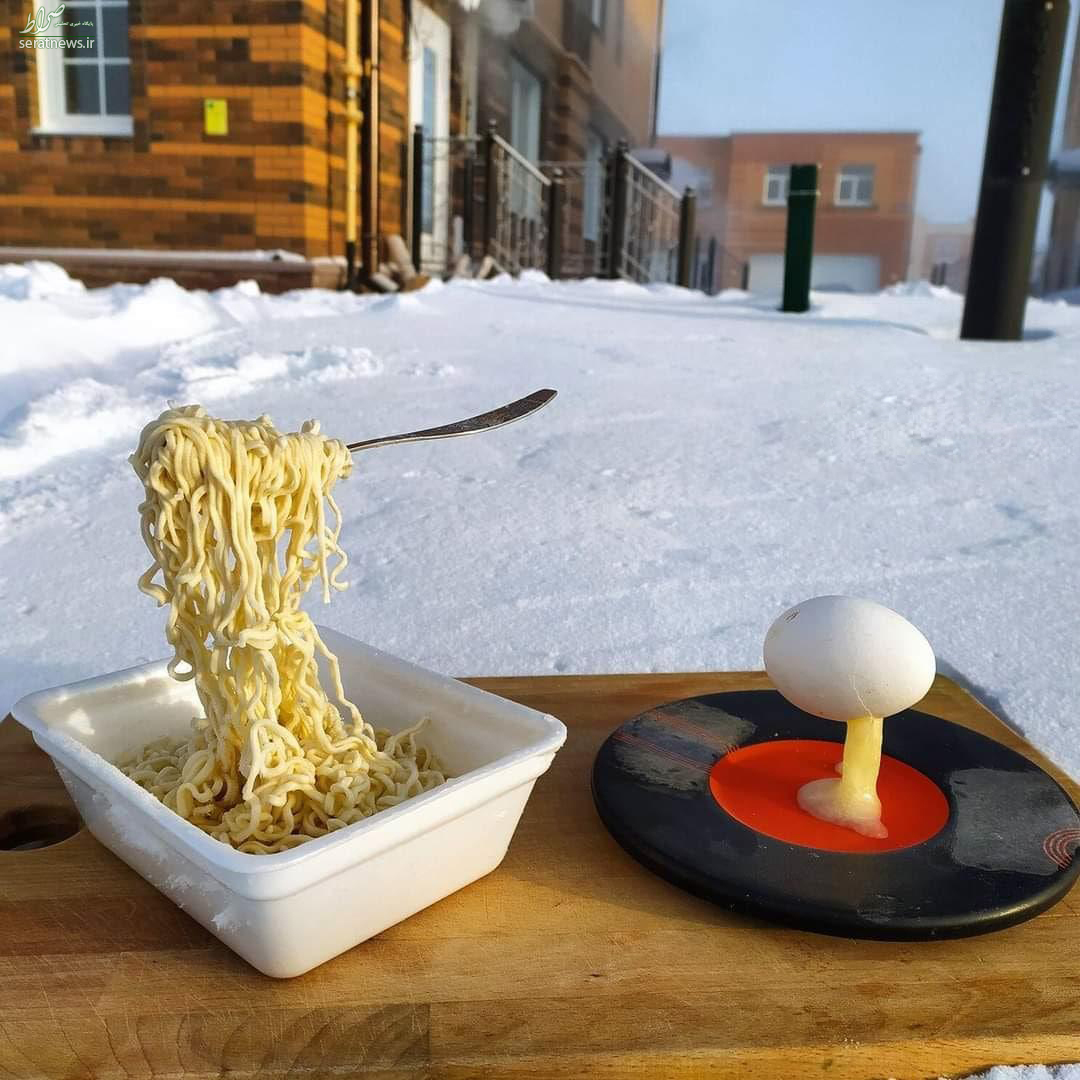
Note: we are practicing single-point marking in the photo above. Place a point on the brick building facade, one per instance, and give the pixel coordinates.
(276, 178)
(862, 230)
(596, 63)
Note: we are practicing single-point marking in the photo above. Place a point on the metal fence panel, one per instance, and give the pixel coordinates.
(651, 240)
(519, 240)
(450, 211)
(457, 218)
(586, 224)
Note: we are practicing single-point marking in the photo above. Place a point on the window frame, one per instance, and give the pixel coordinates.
(53, 115)
(855, 174)
(770, 176)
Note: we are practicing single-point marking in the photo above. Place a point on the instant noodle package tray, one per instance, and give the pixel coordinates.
(569, 960)
(289, 911)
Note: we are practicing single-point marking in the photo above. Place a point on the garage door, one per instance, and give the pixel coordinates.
(842, 273)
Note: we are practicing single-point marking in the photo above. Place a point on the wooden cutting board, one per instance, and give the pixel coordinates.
(569, 961)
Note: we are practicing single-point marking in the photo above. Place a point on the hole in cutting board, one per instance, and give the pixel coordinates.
(33, 827)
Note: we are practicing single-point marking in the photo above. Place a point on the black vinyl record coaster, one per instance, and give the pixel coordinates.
(702, 792)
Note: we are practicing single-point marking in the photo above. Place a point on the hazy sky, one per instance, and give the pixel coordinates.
(907, 65)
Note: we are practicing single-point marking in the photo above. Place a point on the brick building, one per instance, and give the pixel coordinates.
(169, 125)
(562, 80)
(1062, 267)
(862, 232)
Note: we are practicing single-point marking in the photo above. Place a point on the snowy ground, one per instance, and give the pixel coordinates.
(706, 464)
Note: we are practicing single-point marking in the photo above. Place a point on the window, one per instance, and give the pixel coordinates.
(593, 186)
(775, 191)
(596, 13)
(84, 82)
(855, 185)
(620, 19)
(525, 97)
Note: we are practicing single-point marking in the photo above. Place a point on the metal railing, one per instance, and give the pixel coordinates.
(651, 235)
(516, 207)
(716, 268)
(447, 200)
(477, 203)
(586, 218)
(646, 215)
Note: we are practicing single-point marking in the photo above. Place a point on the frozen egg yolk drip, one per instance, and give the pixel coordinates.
(851, 799)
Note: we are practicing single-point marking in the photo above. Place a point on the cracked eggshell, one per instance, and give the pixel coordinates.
(841, 658)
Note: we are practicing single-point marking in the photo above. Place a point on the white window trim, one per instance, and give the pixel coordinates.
(765, 200)
(53, 117)
(841, 176)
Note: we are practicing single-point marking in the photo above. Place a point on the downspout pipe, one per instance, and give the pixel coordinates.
(369, 168)
(352, 71)
(656, 72)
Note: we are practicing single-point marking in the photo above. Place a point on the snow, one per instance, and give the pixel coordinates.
(1031, 1072)
(707, 464)
(36, 281)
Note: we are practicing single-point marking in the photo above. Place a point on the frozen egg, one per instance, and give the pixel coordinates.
(841, 658)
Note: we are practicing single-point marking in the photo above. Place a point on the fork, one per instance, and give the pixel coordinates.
(505, 414)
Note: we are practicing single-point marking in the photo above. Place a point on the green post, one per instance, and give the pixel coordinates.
(799, 248)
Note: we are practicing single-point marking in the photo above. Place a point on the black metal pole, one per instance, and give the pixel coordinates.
(710, 264)
(687, 219)
(491, 190)
(617, 240)
(417, 195)
(556, 198)
(1014, 168)
(468, 195)
(799, 246)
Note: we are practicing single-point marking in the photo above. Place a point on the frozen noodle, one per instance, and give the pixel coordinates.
(240, 520)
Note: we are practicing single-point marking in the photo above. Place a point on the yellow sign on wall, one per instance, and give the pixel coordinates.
(215, 116)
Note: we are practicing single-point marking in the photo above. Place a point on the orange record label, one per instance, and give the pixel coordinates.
(758, 784)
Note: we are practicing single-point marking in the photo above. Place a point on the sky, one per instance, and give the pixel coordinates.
(917, 65)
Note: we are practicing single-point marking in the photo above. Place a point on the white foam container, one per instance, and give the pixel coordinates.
(289, 912)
